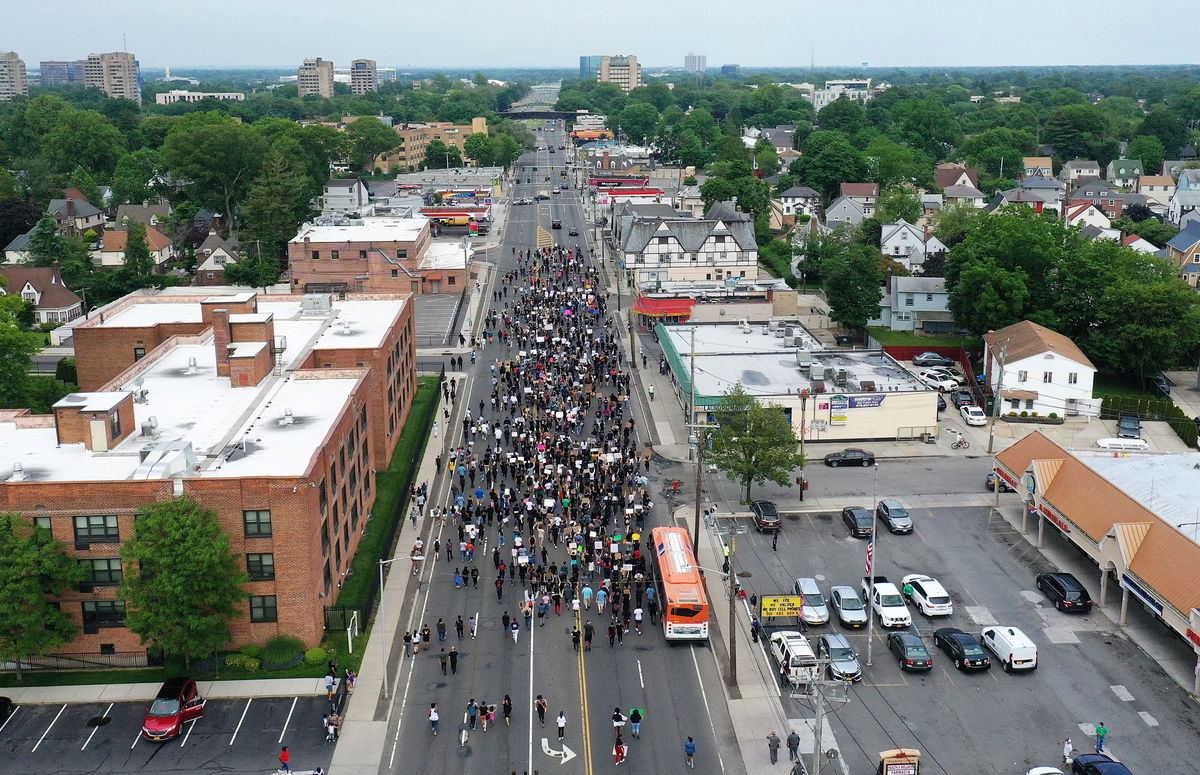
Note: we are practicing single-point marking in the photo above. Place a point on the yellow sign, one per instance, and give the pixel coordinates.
(780, 605)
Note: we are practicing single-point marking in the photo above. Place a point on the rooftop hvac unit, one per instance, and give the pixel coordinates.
(316, 303)
(804, 359)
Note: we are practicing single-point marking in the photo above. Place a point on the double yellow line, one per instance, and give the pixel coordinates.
(585, 724)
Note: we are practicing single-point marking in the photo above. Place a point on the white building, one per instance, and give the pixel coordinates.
(1033, 369)
(345, 196)
(695, 63)
(182, 95)
(857, 89)
(658, 244)
(623, 70)
(907, 245)
(364, 76)
(12, 76)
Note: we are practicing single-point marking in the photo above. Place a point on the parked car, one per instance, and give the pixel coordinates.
(843, 659)
(936, 379)
(1012, 647)
(848, 607)
(962, 648)
(766, 516)
(973, 415)
(858, 520)
(1097, 764)
(928, 594)
(989, 482)
(932, 359)
(1066, 592)
(1044, 771)
(178, 701)
(955, 373)
(813, 610)
(850, 457)
(891, 513)
(910, 650)
(6, 709)
(1129, 425)
(1160, 386)
(941, 402)
(795, 657)
(886, 601)
(961, 398)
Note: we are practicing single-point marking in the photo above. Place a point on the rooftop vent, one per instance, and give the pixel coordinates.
(288, 418)
(18, 473)
(191, 367)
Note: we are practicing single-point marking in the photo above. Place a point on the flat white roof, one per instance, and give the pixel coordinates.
(92, 402)
(373, 229)
(1162, 484)
(444, 255)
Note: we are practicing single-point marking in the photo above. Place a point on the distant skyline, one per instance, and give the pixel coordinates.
(518, 33)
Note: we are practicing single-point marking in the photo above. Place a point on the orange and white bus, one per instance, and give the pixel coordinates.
(681, 592)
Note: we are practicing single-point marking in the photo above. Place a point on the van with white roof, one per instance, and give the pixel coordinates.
(1012, 647)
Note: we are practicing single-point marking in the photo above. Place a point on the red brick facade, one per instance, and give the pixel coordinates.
(370, 266)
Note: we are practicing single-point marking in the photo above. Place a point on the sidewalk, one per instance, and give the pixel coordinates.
(213, 690)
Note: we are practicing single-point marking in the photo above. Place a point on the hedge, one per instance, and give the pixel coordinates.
(1163, 409)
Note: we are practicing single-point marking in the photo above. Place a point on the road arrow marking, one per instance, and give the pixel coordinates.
(566, 753)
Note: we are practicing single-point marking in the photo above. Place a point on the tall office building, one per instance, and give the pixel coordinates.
(695, 63)
(12, 76)
(116, 73)
(364, 76)
(588, 66)
(731, 69)
(622, 70)
(315, 76)
(58, 72)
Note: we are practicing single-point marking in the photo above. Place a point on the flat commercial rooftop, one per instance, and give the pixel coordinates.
(372, 229)
(1163, 484)
(444, 255)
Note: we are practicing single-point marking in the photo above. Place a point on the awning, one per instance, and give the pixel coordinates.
(663, 307)
(937, 315)
(1023, 395)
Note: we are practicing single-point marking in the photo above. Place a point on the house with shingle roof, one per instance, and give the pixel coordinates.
(1034, 369)
(1079, 168)
(214, 254)
(964, 195)
(147, 213)
(1124, 173)
(1042, 166)
(1104, 195)
(951, 174)
(75, 216)
(863, 193)
(53, 302)
(665, 247)
(918, 304)
(907, 244)
(1157, 188)
(844, 211)
(112, 248)
(1184, 252)
(1184, 208)
(17, 251)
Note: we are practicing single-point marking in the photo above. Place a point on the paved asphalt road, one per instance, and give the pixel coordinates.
(676, 686)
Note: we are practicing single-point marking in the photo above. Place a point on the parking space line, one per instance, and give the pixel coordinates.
(93, 734)
(288, 720)
(243, 718)
(949, 677)
(136, 737)
(48, 728)
(188, 734)
(10, 718)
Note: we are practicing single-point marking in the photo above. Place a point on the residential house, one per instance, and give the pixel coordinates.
(1173, 167)
(112, 248)
(1189, 179)
(214, 254)
(17, 251)
(908, 245)
(863, 193)
(1016, 196)
(964, 195)
(147, 213)
(1033, 369)
(1087, 214)
(845, 211)
(345, 196)
(781, 138)
(1184, 207)
(662, 247)
(689, 201)
(1157, 188)
(75, 216)
(1139, 244)
(1105, 196)
(800, 200)
(1079, 168)
(1042, 166)
(1123, 172)
(1184, 251)
(917, 304)
(931, 205)
(1050, 190)
(786, 157)
(951, 174)
(53, 302)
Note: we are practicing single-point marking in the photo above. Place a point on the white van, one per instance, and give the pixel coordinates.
(1012, 647)
(1125, 445)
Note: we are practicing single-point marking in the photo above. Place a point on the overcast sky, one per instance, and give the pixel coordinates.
(515, 33)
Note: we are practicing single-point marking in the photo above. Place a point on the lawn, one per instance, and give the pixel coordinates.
(886, 336)
(1110, 383)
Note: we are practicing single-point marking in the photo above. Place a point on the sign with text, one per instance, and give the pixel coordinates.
(838, 407)
(779, 605)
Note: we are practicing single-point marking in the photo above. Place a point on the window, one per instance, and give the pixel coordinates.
(139, 353)
(96, 529)
(401, 254)
(395, 273)
(322, 497)
(325, 538)
(262, 608)
(929, 297)
(1028, 403)
(258, 523)
(362, 255)
(908, 300)
(316, 255)
(42, 523)
(334, 255)
(661, 240)
(261, 567)
(103, 613)
(450, 280)
(1072, 378)
(104, 571)
(114, 423)
(1022, 376)
(1047, 377)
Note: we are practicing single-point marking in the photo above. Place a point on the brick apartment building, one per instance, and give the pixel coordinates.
(409, 155)
(374, 255)
(272, 410)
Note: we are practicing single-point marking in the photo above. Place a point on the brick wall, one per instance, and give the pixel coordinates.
(101, 353)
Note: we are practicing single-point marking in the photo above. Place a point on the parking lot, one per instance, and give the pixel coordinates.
(233, 736)
(434, 316)
(988, 721)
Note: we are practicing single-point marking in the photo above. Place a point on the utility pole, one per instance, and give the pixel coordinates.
(731, 675)
(872, 563)
(997, 400)
(698, 434)
(803, 408)
(818, 754)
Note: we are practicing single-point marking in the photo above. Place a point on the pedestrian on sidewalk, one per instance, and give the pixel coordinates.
(330, 683)
(453, 660)
(798, 768)
(773, 746)
(434, 718)
(285, 759)
(651, 392)
(1067, 749)
(1101, 734)
(689, 752)
(775, 541)
(471, 626)
(793, 744)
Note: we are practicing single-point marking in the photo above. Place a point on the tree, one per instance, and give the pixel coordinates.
(138, 262)
(369, 137)
(135, 177)
(1137, 212)
(273, 209)
(505, 150)
(86, 139)
(182, 582)
(1147, 327)
(46, 245)
(82, 180)
(637, 121)
(986, 297)
(927, 125)
(843, 115)
(1080, 132)
(218, 160)
(1168, 128)
(16, 352)
(892, 164)
(16, 218)
(828, 161)
(753, 444)
(1149, 150)
(439, 156)
(955, 222)
(35, 568)
(896, 203)
(852, 284)
(479, 148)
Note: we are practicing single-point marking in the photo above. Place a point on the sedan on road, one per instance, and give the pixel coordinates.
(843, 659)
(850, 457)
(972, 415)
(573, 232)
(962, 648)
(891, 513)
(910, 650)
(848, 607)
(928, 594)
(936, 379)
(961, 398)
(766, 516)
(1066, 592)
(932, 359)
(858, 520)
(990, 483)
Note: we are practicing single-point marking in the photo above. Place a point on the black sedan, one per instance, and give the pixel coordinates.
(910, 650)
(859, 521)
(961, 398)
(1097, 764)
(932, 359)
(962, 648)
(850, 457)
(573, 232)
(990, 484)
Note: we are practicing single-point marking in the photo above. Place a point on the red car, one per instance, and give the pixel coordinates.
(178, 701)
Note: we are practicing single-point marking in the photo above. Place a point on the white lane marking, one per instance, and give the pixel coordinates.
(287, 720)
(48, 728)
(641, 681)
(704, 696)
(93, 734)
(980, 615)
(10, 718)
(1146, 717)
(191, 726)
(236, 729)
(1122, 693)
(135, 740)
(475, 629)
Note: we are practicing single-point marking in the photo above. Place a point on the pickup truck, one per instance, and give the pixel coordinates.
(886, 602)
(1129, 425)
(795, 657)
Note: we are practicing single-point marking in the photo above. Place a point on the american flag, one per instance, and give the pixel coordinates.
(870, 554)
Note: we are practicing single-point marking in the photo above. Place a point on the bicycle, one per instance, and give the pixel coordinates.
(960, 444)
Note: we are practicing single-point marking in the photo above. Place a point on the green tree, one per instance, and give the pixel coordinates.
(369, 137)
(82, 180)
(480, 148)
(637, 121)
(17, 217)
(46, 245)
(275, 206)
(927, 125)
(828, 161)
(892, 164)
(896, 203)
(182, 582)
(1168, 128)
(1147, 326)
(753, 444)
(218, 160)
(766, 161)
(83, 138)
(987, 297)
(505, 150)
(1080, 132)
(843, 115)
(135, 176)
(852, 283)
(955, 222)
(439, 156)
(16, 352)
(1149, 149)
(138, 262)
(35, 570)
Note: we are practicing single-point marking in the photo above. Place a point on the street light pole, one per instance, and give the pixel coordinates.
(383, 640)
(803, 409)
(731, 675)
(872, 563)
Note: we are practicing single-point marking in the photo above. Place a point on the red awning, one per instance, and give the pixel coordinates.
(663, 307)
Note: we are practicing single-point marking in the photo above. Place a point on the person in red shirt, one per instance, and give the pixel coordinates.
(284, 759)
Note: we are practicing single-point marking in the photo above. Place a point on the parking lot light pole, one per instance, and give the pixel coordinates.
(872, 564)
